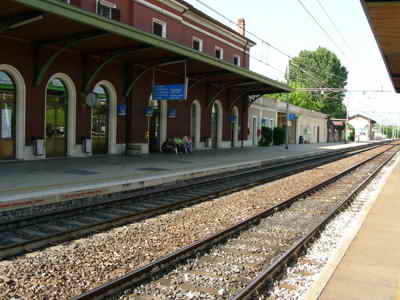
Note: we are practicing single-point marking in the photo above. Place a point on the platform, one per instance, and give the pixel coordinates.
(28, 184)
(370, 269)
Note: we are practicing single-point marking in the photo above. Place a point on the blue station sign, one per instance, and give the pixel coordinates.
(169, 92)
(121, 110)
(292, 117)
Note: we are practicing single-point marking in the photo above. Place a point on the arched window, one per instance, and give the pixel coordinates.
(56, 118)
(7, 116)
(100, 120)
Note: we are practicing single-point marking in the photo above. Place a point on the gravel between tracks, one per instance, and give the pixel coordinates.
(69, 269)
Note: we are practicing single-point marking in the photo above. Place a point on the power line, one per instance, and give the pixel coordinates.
(259, 38)
(333, 24)
(321, 27)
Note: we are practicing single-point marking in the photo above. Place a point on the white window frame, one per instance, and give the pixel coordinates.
(162, 23)
(110, 5)
(221, 50)
(200, 42)
(238, 59)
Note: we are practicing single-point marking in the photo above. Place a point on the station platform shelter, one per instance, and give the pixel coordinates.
(38, 183)
(74, 83)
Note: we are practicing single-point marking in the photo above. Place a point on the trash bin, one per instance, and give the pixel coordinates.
(301, 139)
(38, 146)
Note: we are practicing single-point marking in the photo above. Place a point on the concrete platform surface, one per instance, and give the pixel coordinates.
(370, 269)
(24, 184)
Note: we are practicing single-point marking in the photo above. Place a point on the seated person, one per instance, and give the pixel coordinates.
(187, 142)
(179, 144)
(169, 146)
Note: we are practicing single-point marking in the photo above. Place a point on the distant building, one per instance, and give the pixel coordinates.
(363, 126)
(304, 125)
(336, 130)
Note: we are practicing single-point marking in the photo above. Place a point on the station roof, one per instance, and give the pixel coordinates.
(63, 27)
(383, 16)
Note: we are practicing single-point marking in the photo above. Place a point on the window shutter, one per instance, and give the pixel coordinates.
(116, 14)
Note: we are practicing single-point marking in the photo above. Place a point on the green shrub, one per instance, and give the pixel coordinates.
(266, 136)
(351, 136)
(279, 136)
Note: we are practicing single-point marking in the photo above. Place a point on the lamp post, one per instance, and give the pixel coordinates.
(346, 106)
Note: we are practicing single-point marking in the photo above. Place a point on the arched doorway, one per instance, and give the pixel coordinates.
(100, 120)
(8, 107)
(216, 124)
(154, 126)
(56, 118)
(235, 126)
(195, 130)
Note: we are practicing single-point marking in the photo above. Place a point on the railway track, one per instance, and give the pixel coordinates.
(28, 234)
(238, 262)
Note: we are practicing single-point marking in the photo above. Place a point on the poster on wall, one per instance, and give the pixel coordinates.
(172, 113)
(6, 123)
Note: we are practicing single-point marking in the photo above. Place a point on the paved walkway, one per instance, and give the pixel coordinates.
(57, 180)
(370, 269)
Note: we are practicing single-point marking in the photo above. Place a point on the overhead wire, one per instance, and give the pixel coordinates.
(334, 24)
(262, 40)
(321, 27)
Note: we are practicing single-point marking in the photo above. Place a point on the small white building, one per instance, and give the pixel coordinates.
(363, 126)
(311, 126)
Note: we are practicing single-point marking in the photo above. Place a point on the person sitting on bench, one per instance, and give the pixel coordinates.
(169, 146)
(179, 145)
(187, 142)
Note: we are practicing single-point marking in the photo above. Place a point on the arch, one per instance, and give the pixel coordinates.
(235, 126)
(218, 112)
(112, 115)
(71, 113)
(195, 123)
(20, 127)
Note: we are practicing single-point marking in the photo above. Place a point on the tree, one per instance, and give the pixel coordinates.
(317, 69)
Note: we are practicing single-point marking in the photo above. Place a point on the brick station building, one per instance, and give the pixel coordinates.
(76, 78)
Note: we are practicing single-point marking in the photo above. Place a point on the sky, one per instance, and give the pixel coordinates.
(286, 25)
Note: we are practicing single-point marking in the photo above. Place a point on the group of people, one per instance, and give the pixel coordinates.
(178, 145)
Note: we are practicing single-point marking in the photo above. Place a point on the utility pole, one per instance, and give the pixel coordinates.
(287, 111)
(345, 125)
(287, 125)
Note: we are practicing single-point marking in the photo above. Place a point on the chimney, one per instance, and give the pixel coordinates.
(242, 26)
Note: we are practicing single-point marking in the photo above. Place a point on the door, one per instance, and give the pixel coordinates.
(318, 134)
(7, 117)
(56, 119)
(254, 132)
(292, 131)
(193, 128)
(235, 127)
(100, 121)
(154, 128)
(214, 125)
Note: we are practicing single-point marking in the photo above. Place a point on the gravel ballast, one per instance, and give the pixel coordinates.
(306, 279)
(67, 270)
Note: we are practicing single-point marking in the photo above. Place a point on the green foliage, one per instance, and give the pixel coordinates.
(314, 69)
(351, 136)
(266, 136)
(279, 136)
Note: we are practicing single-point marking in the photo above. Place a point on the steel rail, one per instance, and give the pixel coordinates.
(42, 241)
(275, 268)
(146, 272)
(202, 180)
